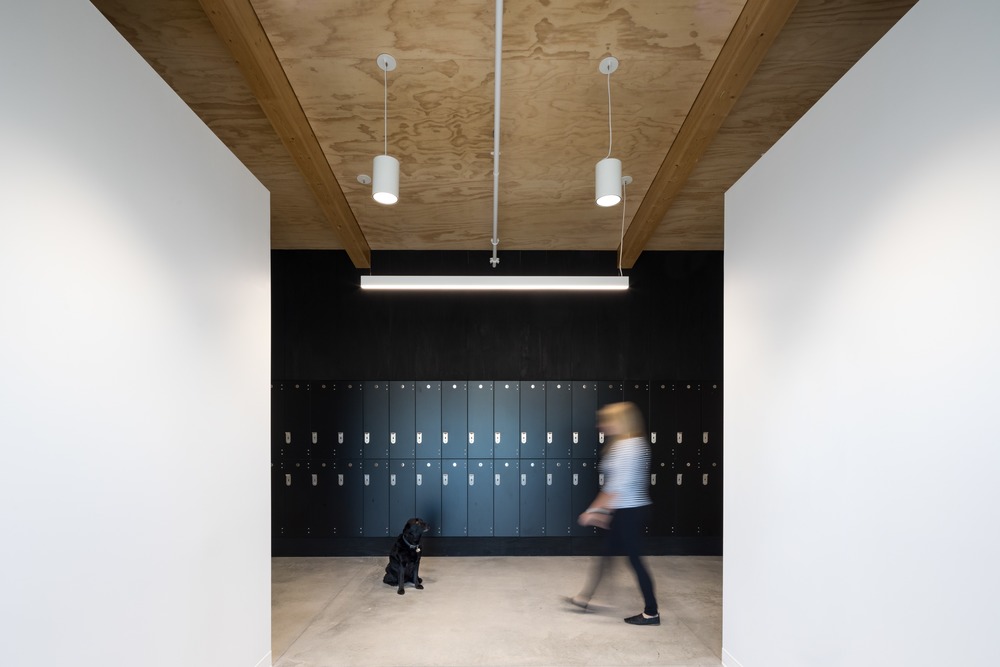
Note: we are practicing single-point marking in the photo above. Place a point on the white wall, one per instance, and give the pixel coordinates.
(134, 362)
(862, 330)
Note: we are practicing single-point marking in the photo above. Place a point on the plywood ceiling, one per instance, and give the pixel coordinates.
(703, 89)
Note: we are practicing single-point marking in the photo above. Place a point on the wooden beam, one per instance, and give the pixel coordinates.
(237, 24)
(755, 30)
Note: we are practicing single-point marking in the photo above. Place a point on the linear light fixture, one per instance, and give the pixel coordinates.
(486, 283)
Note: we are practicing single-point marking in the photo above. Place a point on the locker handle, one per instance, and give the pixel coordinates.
(392, 437)
(600, 479)
(472, 478)
(444, 437)
(367, 480)
(524, 437)
(392, 479)
(600, 437)
(680, 478)
(315, 479)
(444, 479)
(368, 437)
(340, 480)
(420, 479)
(548, 479)
(496, 437)
(288, 479)
(548, 438)
(704, 479)
(652, 438)
(680, 437)
(576, 479)
(576, 437)
(524, 479)
(472, 437)
(652, 479)
(496, 479)
(704, 437)
(420, 437)
(315, 436)
(340, 437)
(288, 437)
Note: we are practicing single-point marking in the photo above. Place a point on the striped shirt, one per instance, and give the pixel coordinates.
(626, 473)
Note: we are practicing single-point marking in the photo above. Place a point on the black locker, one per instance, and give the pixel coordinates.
(584, 424)
(532, 498)
(584, 488)
(320, 511)
(607, 392)
(428, 493)
(663, 421)
(637, 391)
(559, 517)
(506, 420)
(532, 413)
(558, 419)
(454, 498)
(662, 491)
(480, 488)
(290, 434)
(289, 498)
(402, 493)
(346, 492)
(687, 451)
(347, 403)
(710, 460)
(402, 420)
(376, 494)
(376, 420)
(322, 419)
(454, 420)
(428, 420)
(479, 439)
(506, 498)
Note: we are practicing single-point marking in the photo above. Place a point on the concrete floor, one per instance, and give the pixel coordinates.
(491, 611)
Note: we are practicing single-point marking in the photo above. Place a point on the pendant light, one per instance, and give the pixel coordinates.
(385, 168)
(608, 173)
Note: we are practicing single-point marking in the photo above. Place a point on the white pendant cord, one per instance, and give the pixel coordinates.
(498, 51)
(385, 108)
(609, 115)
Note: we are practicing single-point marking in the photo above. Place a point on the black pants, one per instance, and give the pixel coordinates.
(625, 539)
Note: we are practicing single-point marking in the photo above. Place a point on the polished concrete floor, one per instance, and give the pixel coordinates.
(492, 611)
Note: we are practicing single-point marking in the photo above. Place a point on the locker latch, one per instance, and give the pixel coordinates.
(392, 479)
(340, 437)
(340, 480)
(368, 437)
(420, 437)
(288, 479)
(576, 437)
(548, 437)
(680, 478)
(496, 437)
(288, 437)
(315, 479)
(444, 437)
(316, 437)
(524, 437)
(524, 480)
(496, 479)
(472, 437)
(548, 479)
(600, 479)
(472, 479)
(576, 479)
(444, 479)
(600, 438)
(704, 437)
(680, 437)
(392, 437)
(420, 479)
(367, 480)
(704, 479)
(652, 479)
(652, 437)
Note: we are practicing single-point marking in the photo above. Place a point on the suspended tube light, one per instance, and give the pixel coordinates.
(497, 283)
(608, 173)
(385, 168)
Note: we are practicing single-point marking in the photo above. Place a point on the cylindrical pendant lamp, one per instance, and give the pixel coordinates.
(608, 181)
(385, 179)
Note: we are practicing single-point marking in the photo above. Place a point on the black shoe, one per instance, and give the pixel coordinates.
(639, 619)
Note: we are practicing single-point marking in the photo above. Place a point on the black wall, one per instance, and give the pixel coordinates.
(661, 341)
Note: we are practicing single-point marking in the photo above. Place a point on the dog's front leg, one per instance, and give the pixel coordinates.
(417, 581)
(399, 579)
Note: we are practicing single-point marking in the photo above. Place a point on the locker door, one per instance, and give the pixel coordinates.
(454, 498)
(289, 498)
(428, 494)
(454, 420)
(584, 426)
(480, 485)
(663, 421)
(506, 498)
(479, 439)
(376, 420)
(532, 435)
(559, 517)
(347, 502)
(637, 391)
(290, 421)
(506, 421)
(584, 488)
(376, 494)
(686, 454)
(610, 391)
(428, 420)
(532, 489)
(320, 511)
(348, 415)
(402, 494)
(558, 419)
(662, 491)
(402, 420)
(323, 435)
(710, 460)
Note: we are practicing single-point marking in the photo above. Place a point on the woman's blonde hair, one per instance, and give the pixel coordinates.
(627, 416)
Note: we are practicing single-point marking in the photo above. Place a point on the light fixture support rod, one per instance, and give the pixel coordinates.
(498, 49)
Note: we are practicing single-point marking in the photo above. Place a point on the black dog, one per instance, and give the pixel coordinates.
(404, 557)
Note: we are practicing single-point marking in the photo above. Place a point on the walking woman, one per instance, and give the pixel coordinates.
(623, 503)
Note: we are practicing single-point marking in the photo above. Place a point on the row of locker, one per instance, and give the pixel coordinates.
(483, 419)
(477, 497)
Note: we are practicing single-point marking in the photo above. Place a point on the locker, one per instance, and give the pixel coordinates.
(346, 493)
(689, 433)
(402, 493)
(662, 491)
(583, 487)
(710, 502)
(532, 430)
(428, 420)
(479, 439)
(376, 420)
(710, 460)
(428, 493)
(454, 498)
(532, 489)
(402, 420)
(480, 488)
(584, 425)
(687, 493)
(454, 420)
(558, 419)
(637, 391)
(288, 498)
(290, 421)
(506, 421)
(322, 434)
(559, 517)
(663, 421)
(320, 510)
(376, 497)
(607, 392)
(347, 403)
(506, 485)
